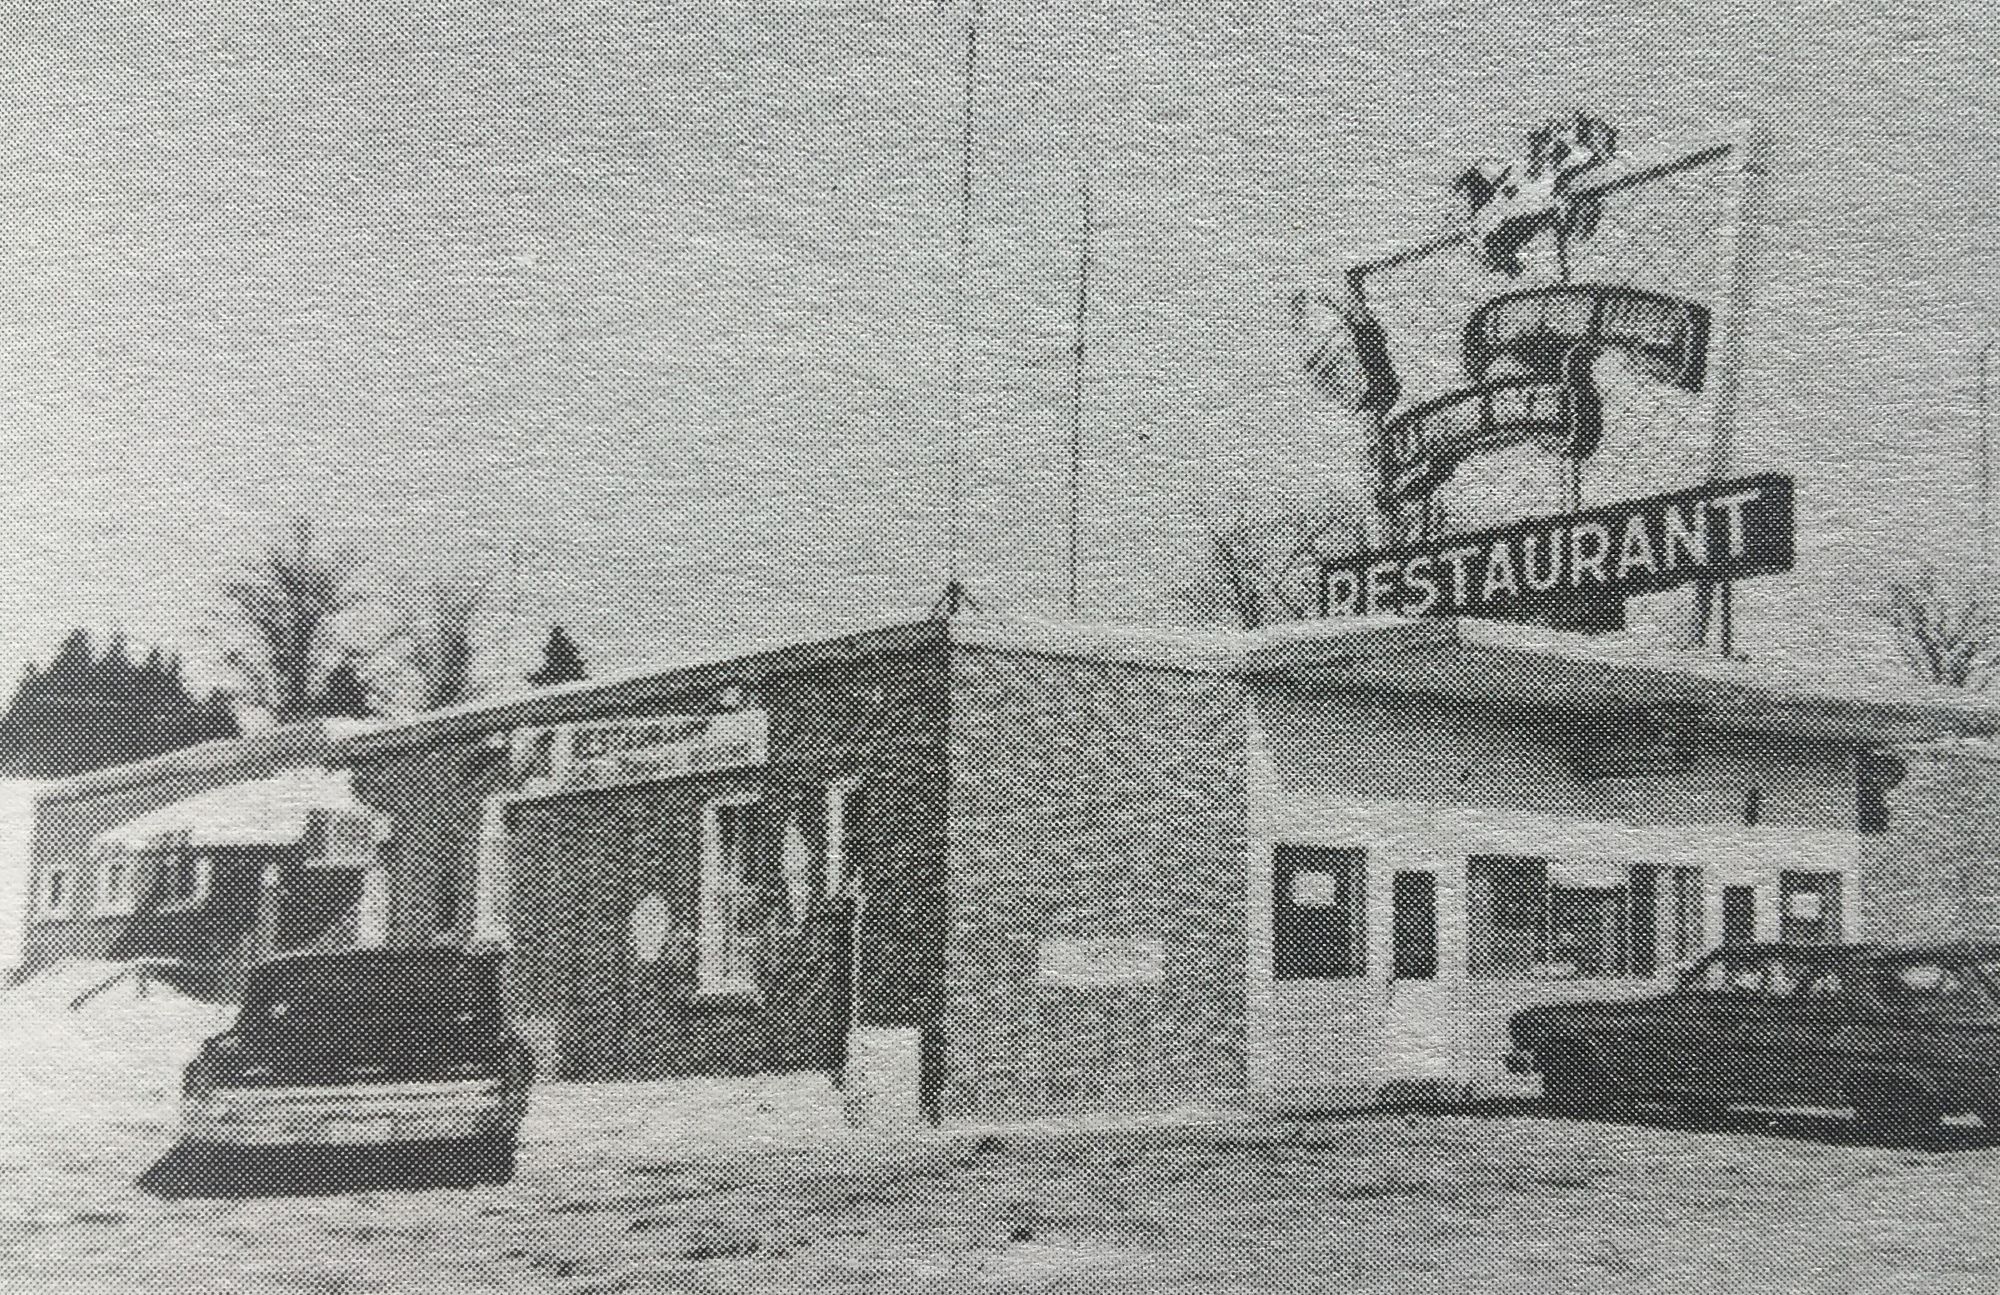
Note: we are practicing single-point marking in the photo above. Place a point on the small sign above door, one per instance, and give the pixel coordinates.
(625, 752)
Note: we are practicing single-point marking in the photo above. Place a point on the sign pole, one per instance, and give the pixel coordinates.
(1753, 161)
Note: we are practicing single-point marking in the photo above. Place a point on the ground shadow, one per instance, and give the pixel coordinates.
(188, 1173)
(1824, 1127)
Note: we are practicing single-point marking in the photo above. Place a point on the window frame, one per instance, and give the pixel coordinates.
(718, 929)
(1299, 954)
(55, 910)
(114, 901)
(1621, 957)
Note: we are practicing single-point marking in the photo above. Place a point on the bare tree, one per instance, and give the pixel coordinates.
(1254, 573)
(291, 606)
(440, 645)
(1945, 636)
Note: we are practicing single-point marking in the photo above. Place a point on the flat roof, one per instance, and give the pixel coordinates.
(1478, 661)
(255, 753)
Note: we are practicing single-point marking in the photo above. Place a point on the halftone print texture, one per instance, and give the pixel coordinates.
(616, 708)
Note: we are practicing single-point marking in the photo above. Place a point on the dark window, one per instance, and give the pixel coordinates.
(447, 902)
(1929, 988)
(1875, 774)
(1317, 915)
(1645, 921)
(1688, 921)
(1507, 918)
(1414, 926)
(1739, 914)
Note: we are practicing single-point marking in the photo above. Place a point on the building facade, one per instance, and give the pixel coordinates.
(209, 857)
(1005, 867)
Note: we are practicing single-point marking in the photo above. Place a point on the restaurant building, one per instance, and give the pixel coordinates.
(985, 868)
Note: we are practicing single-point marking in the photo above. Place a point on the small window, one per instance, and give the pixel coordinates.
(1318, 928)
(57, 894)
(1809, 907)
(1739, 914)
(448, 904)
(1685, 934)
(117, 888)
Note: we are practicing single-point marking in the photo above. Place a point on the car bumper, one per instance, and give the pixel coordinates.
(360, 1115)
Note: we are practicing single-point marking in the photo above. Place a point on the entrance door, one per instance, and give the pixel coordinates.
(1424, 1027)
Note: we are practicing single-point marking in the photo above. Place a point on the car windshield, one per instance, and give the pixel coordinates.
(363, 992)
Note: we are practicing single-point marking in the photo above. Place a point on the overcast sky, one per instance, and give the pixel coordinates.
(661, 293)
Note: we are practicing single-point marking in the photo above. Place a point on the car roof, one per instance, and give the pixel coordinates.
(386, 957)
(1949, 950)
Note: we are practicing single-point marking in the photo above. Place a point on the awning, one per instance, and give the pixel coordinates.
(271, 811)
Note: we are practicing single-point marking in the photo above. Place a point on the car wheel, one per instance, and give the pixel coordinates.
(490, 1158)
(1569, 1081)
(1899, 1109)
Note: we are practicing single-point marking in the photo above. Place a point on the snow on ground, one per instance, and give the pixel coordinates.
(112, 1061)
(17, 825)
(756, 1185)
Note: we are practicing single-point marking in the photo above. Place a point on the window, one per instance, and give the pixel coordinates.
(1318, 926)
(1739, 914)
(1413, 927)
(118, 886)
(727, 961)
(1928, 988)
(1809, 907)
(445, 921)
(842, 800)
(1554, 919)
(184, 882)
(57, 894)
(1684, 924)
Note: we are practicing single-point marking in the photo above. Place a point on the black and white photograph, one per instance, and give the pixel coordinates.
(967, 646)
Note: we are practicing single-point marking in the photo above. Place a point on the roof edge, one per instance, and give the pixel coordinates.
(306, 743)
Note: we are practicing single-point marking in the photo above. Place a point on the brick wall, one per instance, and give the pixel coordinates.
(1091, 800)
(580, 863)
(1935, 872)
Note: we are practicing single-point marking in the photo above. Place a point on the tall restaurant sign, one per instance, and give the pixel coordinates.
(1718, 531)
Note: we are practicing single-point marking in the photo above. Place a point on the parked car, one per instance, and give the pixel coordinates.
(366, 1047)
(1904, 1035)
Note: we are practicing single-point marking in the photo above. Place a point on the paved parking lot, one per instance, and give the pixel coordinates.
(755, 1186)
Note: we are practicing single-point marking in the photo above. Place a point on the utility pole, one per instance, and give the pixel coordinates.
(1983, 359)
(1076, 398)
